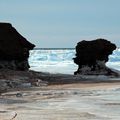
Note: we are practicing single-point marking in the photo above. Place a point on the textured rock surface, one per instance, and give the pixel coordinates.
(91, 56)
(12, 79)
(63, 102)
(15, 80)
(14, 48)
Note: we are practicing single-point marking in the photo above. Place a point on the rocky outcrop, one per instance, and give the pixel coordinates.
(15, 79)
(20, 80)
(91, 56)
(14, 48)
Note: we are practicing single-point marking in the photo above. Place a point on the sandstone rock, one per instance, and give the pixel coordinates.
(14, 48)
(91, 56)
(3, 86)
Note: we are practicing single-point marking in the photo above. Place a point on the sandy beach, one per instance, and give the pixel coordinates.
(81, 101)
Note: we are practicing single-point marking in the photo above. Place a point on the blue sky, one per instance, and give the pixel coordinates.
(63, 23)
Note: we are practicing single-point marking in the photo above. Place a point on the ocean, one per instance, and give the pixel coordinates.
(60, 60)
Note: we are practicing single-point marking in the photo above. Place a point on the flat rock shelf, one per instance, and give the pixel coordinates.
(64, 102)
(7, 115)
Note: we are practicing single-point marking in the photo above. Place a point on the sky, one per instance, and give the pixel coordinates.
(63, 23)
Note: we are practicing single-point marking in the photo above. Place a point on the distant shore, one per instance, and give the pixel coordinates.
(53, 48)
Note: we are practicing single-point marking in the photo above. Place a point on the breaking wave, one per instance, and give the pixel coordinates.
(60, 60)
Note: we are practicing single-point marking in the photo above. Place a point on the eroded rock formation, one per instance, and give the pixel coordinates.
(14, 48)
(91, 56)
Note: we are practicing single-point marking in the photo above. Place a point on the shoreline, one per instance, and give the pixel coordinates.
(11, 80)
(60, 98)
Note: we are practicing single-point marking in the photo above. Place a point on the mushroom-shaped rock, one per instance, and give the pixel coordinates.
(91, 56)
(14, 48)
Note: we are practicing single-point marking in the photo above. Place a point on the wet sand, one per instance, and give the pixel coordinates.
(81, 101)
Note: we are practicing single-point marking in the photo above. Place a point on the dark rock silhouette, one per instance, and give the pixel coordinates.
(91, 56)
(14, 48)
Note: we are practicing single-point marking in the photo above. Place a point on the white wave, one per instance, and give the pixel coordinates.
(114, 65)
(51, 55)
(61, 61)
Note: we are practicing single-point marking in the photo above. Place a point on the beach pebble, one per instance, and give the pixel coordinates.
(19, 95)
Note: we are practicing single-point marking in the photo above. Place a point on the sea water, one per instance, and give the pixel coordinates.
(61, 60)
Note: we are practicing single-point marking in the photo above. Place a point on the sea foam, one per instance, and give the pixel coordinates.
(61, 60)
